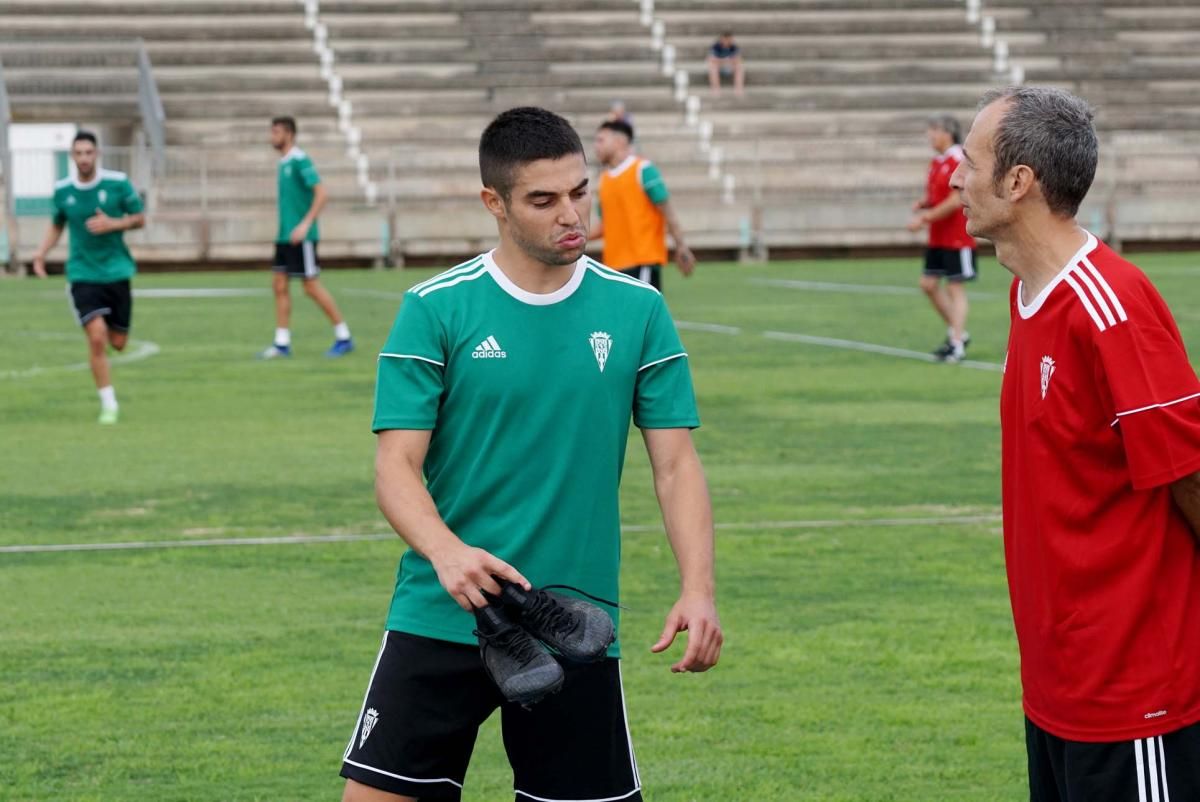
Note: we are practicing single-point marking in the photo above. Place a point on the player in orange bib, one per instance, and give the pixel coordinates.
(635, 210)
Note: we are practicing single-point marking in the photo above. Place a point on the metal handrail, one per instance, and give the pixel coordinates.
(6, 168)
(154, 118)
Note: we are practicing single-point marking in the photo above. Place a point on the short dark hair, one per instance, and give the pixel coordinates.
(620, 126)
(85, 136)
(286, 123)
(518, 137)
(949, 124)
(1052, 132)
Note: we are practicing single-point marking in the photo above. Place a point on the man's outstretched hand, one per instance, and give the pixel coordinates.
(697, 615)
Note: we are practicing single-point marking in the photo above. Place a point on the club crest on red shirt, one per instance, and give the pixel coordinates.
(1047, 373)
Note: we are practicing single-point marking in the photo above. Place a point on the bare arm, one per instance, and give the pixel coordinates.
(1186, 492)
(464, 571)
(320, 198)
(687, 513)
(100, 223)
(683, 254)
(949, 206)
(49, 241)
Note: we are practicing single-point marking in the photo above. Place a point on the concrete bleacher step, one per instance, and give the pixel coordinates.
(185, 82)
(166, 27)
(131, 8)
(93, 81)
(831, 127)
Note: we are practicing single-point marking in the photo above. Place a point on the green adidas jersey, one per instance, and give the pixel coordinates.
(96, 258)
(296, 178)
(529, 399)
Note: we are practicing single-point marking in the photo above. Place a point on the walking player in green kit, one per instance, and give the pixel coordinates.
(302, 196)
(503, 403)
(97, 206)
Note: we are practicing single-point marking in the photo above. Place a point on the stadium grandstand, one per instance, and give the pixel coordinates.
(822, 152)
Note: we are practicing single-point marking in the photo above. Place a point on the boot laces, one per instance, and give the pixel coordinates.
(510, 641)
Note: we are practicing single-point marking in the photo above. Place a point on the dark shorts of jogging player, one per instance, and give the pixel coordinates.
(112, 300)
(1161, 767)
(651, 274)
(298, 261)
(424, 704)
(952, 264)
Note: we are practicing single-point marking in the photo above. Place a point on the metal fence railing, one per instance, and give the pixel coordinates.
(859, 191)
(154, 118)
(791, 193)
(8, 253)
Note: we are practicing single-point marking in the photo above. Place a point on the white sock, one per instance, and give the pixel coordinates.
(108, 397)
(341, 331)
(283, 338)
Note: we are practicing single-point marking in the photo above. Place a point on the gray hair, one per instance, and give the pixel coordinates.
(1050, 131)
(949, 124)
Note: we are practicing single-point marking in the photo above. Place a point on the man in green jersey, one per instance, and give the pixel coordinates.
(302, 196)
(98, 206)
(503, 403)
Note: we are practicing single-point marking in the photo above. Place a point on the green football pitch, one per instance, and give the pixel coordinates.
(869, 651)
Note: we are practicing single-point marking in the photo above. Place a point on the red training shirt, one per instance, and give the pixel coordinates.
(1100, 412)
(950, 231)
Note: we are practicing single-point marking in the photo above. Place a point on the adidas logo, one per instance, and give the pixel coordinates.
(489, 349)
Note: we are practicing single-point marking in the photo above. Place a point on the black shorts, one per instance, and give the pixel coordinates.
(1160, 768)
(113, 301)
(425, 702)
(952, 264)
(651, 274)
(298, 261)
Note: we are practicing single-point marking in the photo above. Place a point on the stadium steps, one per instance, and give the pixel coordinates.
(830, 133)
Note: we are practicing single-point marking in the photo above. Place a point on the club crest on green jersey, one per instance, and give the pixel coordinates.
(601, 346)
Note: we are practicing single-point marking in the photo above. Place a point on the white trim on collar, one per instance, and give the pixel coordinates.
(954, 151)
(95, 182)
(623, 166)
(294, 153)
(532, 298)
(1029, 311)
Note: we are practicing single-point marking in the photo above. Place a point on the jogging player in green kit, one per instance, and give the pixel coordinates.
(97, 206)
(504, 396)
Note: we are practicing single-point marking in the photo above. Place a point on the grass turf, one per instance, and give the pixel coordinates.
(863, 661)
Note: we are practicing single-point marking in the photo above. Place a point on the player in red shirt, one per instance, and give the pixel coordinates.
(950, 256)
(1100, 421)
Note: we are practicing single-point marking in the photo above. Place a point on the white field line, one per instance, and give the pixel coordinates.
(391, 296)
(143, 349)
(886, 350)
(831, 342)
(714, 328)
(146, 293)
(291, 540)
(201, 292)
(854, 289)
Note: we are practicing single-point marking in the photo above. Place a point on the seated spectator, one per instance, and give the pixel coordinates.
(725, 59)
(618, 114)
